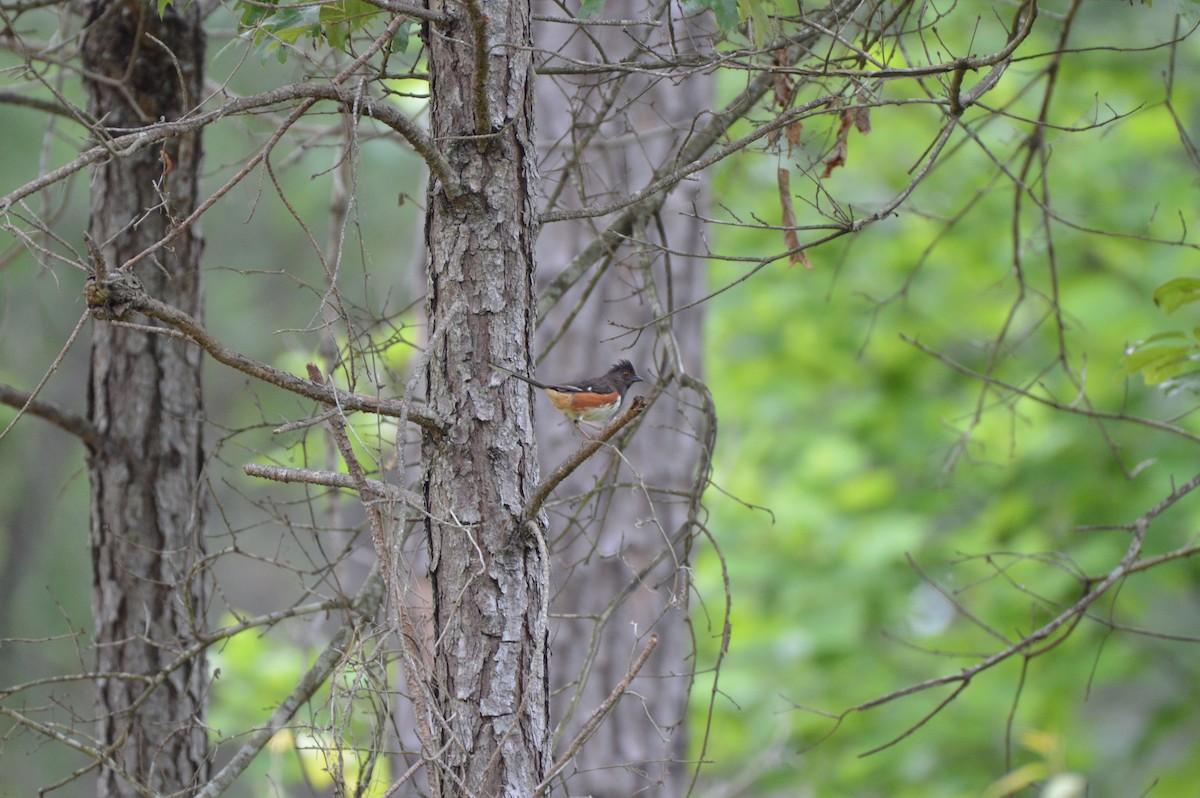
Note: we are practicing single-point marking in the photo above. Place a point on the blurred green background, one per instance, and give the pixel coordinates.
(847, 459)
(845, 450)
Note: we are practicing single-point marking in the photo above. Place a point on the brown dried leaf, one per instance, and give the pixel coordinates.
(837, 156)
(788, 214)
(793, 135)
(862, 119)
(783, 90)
(790, 238)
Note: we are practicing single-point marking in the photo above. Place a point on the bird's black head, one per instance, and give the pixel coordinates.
(623, 369)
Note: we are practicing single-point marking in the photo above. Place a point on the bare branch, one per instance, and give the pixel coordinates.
(129, 142)
(366, 604)
(597, 717)
(1070, 615)
(118, 291)
(33, 404)
(69, 422)
(414, 11)
(332, 479)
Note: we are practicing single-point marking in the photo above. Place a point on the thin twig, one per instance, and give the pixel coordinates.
(408, 9)
(616, 23)
(366, 604)
(1068, 615)
(332, 479)
(593, 722)
(120, 292)
(140, 138)
(31, 397)
(78, 426)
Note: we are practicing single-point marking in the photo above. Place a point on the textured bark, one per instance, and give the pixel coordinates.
(642, 747)
(145, 401)
(490, 683)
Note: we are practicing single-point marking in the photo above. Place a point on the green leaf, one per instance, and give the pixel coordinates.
(291, 23)
(272, 28)
(1160, 363)
(401, 37)
(726, 11)
(253, 13)
(353, 11)
(590, 7)
(1164, 336)
(163, 5)
(760, 23)
(339, 19)
(1173, 294)
(1018, 780)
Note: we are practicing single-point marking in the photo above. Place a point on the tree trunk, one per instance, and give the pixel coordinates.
(489, 670)
(144, 398)
(598, 551)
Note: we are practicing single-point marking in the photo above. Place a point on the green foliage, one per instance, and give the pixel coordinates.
(1047, 768)
(1174, 294)
(253, 674)
(369, 435)
(590, 8)
(762, 19)
(339, 19)
(725, 11)
(1170, 359)
(274, 28)
(907, 498)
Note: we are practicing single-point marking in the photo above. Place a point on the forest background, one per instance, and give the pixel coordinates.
(882, 513)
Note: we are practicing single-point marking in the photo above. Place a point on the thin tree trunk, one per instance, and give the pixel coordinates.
(144, 398)
(489, 671)
(600, 549)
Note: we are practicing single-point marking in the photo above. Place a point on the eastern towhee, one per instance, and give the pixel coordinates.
(593, 400)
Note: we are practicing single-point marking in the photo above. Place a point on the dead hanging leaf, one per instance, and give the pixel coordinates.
(793, 135)
(783, 96)
(837, 156)
(860, 119)
(785, 91)
(790, 238)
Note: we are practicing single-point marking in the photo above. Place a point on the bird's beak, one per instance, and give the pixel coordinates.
(636, 378)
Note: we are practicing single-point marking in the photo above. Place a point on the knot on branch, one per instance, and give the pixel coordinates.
(111, 296)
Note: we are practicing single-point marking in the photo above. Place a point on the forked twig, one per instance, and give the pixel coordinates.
(592, 723)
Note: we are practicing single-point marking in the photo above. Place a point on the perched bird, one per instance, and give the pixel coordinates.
(594, 400)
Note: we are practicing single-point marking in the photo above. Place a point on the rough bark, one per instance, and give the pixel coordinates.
(598, 549)
(489, 673)
(145, 401)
